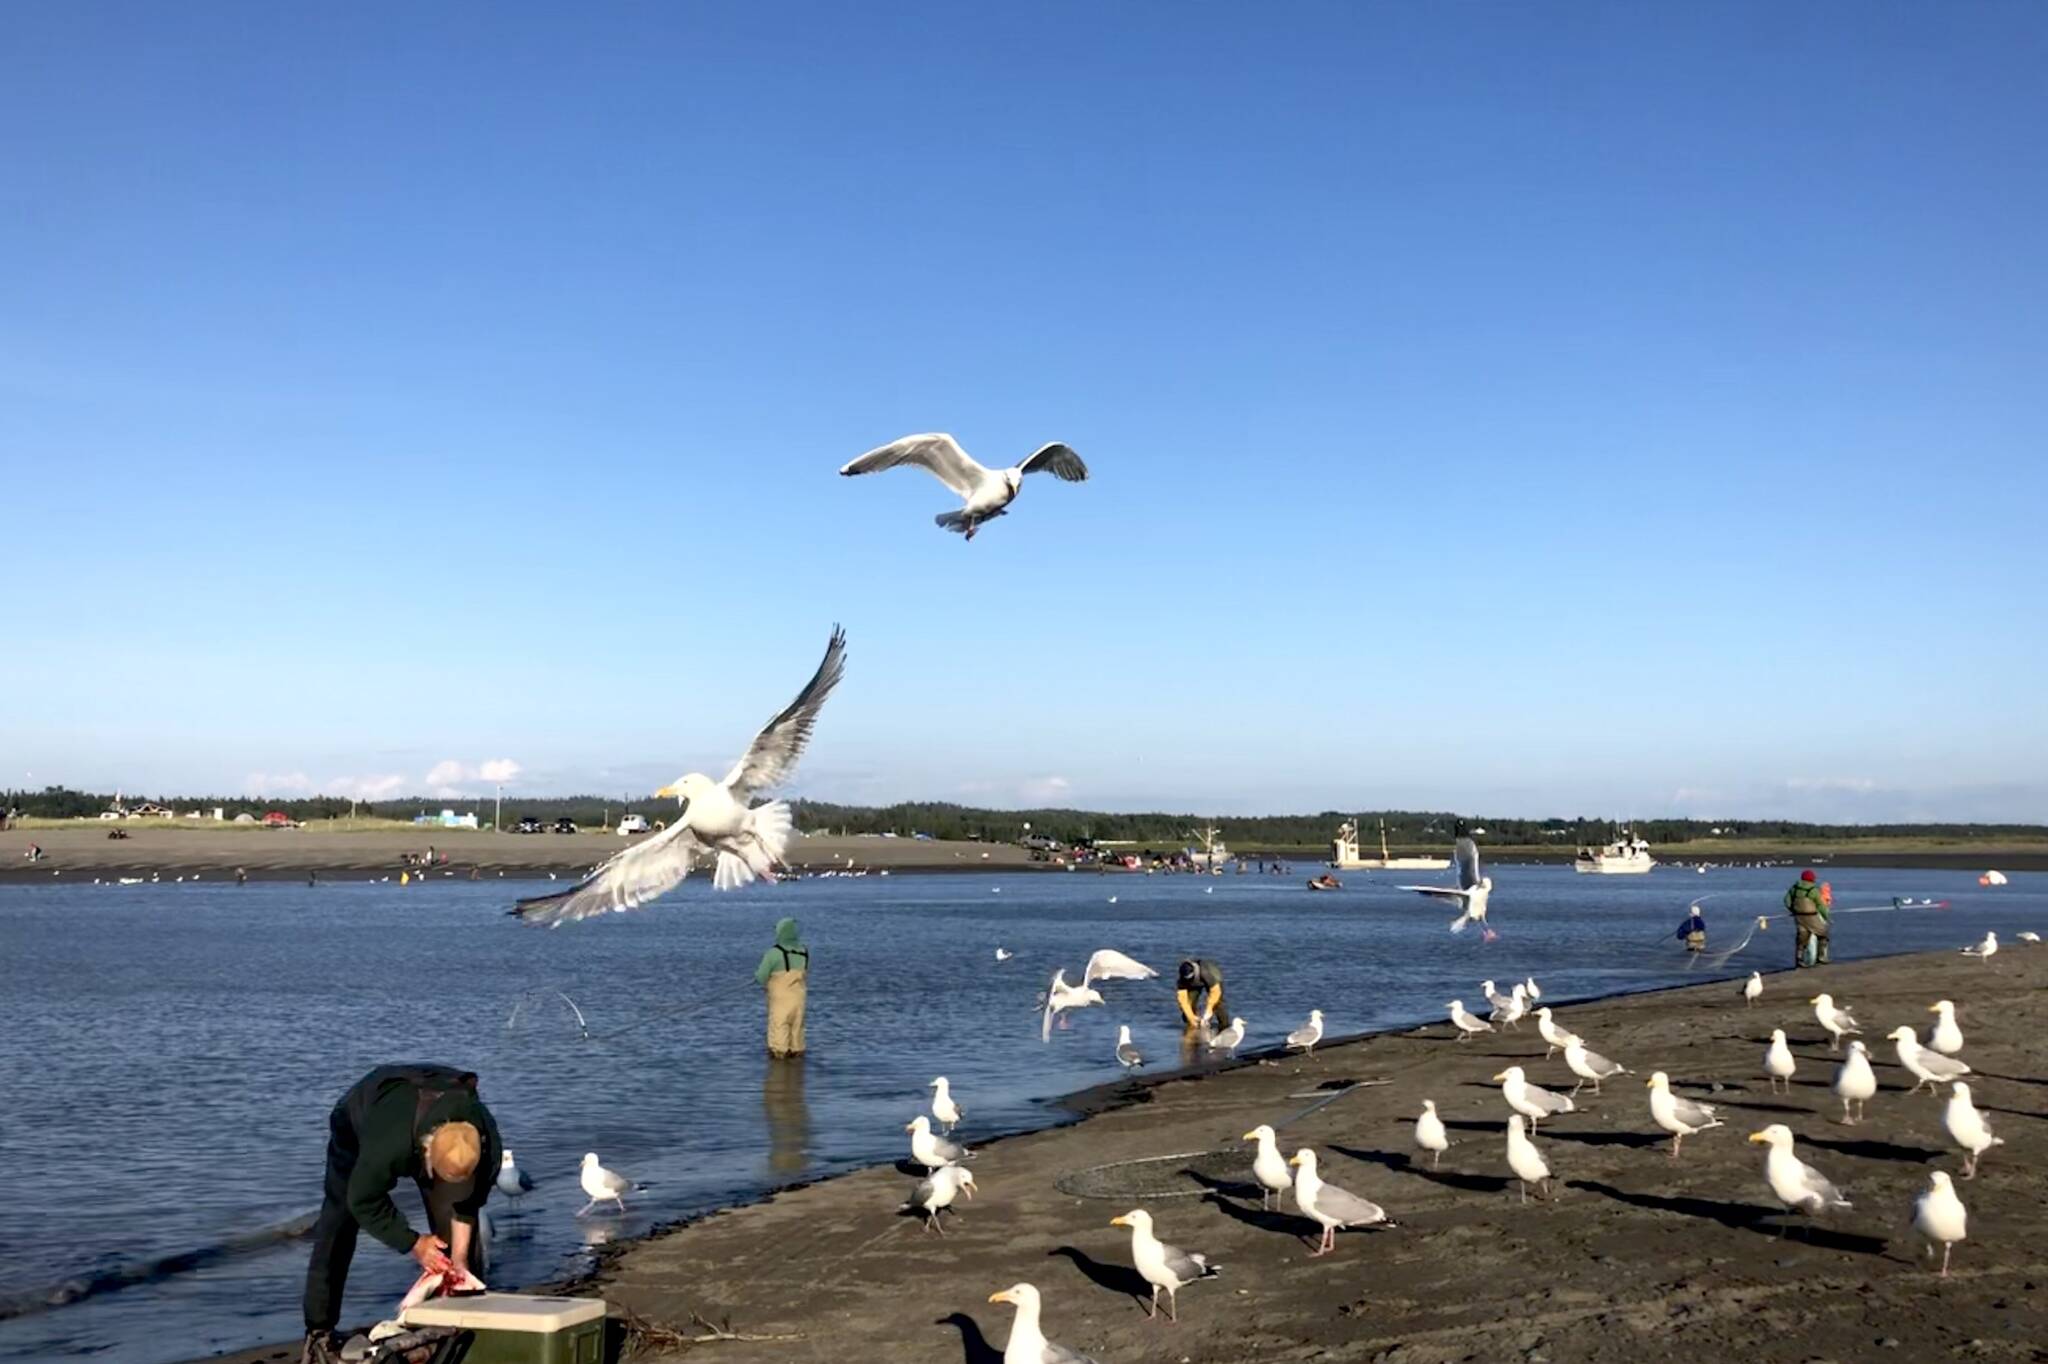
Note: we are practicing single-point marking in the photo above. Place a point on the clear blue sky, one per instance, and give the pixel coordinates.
(1521, 408)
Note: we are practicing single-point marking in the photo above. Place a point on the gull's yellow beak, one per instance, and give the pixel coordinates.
(1118, 1222)
(910, 1127)
(1003, 1296)
(1934, 1008)
(1249, 1136)
(1649, 1084)
(1758, 1136)
(1294, 1159)
(1502, 1076)
(1814, 1000)
(665, 793)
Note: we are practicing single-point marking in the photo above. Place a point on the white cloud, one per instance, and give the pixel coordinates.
(445, 773)
(278, 784)
(446, 778)
(384, 786)
(1041, 789)
(498, 769)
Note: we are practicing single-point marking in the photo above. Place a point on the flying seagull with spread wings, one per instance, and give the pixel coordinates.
(715, 816)
(988, 493)
(1470, 893)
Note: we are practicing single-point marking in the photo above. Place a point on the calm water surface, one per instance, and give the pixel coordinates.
(171, 1051)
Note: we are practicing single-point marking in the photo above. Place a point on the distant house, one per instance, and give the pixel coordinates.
(149, 809)
(448, 819)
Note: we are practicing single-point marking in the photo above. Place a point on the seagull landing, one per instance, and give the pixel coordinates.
(986, 493)
(1470, 892)
(714, 816)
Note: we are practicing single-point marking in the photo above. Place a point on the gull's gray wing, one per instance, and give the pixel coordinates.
(1440, 892)
(772, 756)
(1941, 1067)
(627, 880)
(1823, 1187)
(1348, 1207)
(1185, 1267)
(1690, 1113)
(1060, 1354)
(937, 454)
(922, 1194)
(1547, 1101)
(1057, 459)
(1466, 856)
(1596, 1062)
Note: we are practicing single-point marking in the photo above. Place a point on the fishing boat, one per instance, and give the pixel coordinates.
(1344, 854)
(1625, 856)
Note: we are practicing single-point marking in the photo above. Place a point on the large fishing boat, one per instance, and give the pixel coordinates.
(1344, 854)
(1625, 856)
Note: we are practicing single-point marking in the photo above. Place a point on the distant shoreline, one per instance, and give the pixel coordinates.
(214, 853)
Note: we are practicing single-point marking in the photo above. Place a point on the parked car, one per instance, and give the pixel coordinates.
(565, 825)
(529, 825)
(632, 824)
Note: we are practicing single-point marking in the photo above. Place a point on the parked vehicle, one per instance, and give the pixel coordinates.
(529, 825)
(565, 825)
(632, 824)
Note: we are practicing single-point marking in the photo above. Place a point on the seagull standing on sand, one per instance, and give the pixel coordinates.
(1470, 892)
(1939, 1216)
(1331, 1206)
(1589, 1065)
(1752, 989)
(1555, 1039)
(1778, 1062)
(1986, 949)
(935, 1193)
(1501, 1003)
(1836, 1021)
(1159, 1264)
(1466, 1023)
(1126, 1052)
(1228, 1039)
(513, 1182)
(2029, 936)
(930, 1150)
(1799, 1186)
(1966, 1127)
(1531, 1101)
(1855, 1083)
(1680, 1117)
(1028, 1344)
(1304, 1038)
(1268, 1167)
(1945, 1037)
(986, 493)
(943, 1107)
(1530, 986)
(602, 1185)
(1929, 1068)
(1526, 1161)
(716, 816)
(1430, 1134)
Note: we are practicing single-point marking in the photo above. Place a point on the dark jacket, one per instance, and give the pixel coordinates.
(392, 1110)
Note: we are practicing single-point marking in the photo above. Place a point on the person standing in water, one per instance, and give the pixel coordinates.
(1198, 989)
(782, 974)
(1809, 920)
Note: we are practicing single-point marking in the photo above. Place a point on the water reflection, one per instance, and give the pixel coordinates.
(788, 1116)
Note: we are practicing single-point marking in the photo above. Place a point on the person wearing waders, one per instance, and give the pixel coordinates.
(419, 1122)
(781, 974)
(1198, 989)
(1809, 911)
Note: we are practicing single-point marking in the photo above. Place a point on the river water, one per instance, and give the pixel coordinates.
(170, 1052)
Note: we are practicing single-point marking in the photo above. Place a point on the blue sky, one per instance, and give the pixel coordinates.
(1523, 408)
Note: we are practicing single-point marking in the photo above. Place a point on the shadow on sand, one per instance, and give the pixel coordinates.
(1120, 1279)
(1750, 1217)
(1402, 1163)
(974, 1346)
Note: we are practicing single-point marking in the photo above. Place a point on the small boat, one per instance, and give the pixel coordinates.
(1325, 882)
(1625, 856)
(1344, 854)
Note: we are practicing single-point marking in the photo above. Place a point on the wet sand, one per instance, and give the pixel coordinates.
(293, 854)
(1633, 1254)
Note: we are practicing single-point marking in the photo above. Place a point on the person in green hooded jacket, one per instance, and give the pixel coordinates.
(781, 973)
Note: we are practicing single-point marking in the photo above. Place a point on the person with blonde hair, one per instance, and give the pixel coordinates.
(419, 1122)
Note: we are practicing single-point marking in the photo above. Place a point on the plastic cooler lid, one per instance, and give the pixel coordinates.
(505, 1312)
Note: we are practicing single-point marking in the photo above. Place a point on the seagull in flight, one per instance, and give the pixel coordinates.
(986, 493)
(1470, 892)
(715, 816)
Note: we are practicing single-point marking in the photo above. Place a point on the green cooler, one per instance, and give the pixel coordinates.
(520, 1328)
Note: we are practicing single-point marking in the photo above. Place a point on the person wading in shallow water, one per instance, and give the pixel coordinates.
(1198, 989)
(419, 1122)
(1809, 910)
(782, 974)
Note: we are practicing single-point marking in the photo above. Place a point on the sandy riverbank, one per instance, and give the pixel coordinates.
(1633, 1255)
(293, 854)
